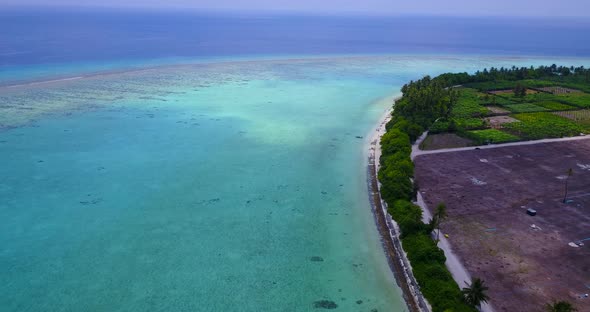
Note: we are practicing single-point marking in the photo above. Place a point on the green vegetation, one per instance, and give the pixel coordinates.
(554, 106)
(506, 78)
(439, 215)
(491, 136)
(423, 102)
(475, 293)
(581, 117)
(560, 306)
(520, 92)
(581, 100)
(544, 125)
(525, 108)
(469, 104)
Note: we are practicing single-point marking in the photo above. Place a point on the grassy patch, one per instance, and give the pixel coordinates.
(581, 100)
(500, 100)
(469, 105)
(554, 106)
(470, 123)
(491, 136)
(525, 108)
(544, 125)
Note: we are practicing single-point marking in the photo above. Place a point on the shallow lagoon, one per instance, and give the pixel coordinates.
(211, 187)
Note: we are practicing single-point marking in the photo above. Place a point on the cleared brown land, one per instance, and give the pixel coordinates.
(509, 91)
(444, 140)
(498, 110)
(497, 121)
(487, 192)
(560, 90)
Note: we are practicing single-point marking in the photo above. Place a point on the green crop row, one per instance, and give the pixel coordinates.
(581, 100)
(525, 108)
(554, 106)
(544, 125)
(468, 105)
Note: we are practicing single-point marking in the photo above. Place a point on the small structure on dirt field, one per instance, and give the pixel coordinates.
(531, 212)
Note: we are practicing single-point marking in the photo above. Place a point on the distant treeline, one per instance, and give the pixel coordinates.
(552, 72)
(423, 102)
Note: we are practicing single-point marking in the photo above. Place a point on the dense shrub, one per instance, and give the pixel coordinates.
(422, 249)
(423, 102)
(395, 185)
(440, 126)
(408, 217)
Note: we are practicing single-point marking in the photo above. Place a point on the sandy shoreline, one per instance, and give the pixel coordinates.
(387, 228)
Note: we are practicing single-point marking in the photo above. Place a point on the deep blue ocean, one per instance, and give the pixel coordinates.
(35, 36)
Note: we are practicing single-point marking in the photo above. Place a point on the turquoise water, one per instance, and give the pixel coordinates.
(212, 187)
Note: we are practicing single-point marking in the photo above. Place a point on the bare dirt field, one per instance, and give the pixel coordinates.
(497, 121)
(509, 91)
(560, 90)
(444, 140)
(498, 110)
(487, 193)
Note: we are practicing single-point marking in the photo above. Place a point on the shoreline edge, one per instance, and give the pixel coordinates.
(386, 226)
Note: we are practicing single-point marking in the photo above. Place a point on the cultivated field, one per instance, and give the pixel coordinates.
(487, 193)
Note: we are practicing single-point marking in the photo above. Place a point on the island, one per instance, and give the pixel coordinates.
(486, 176)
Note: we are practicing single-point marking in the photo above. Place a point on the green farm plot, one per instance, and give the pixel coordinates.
(525, 108)
(554, 106)
(581, 100)
(500, 100)
(581, 117)
(469, 105)
(544, 125)
(470, 123)
(491, 136)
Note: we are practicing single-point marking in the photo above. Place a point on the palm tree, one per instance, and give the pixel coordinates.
(570, 172)
(439, 215)
(560, 306)
(475, 293)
